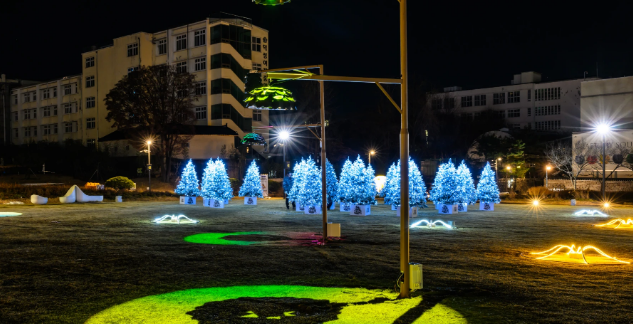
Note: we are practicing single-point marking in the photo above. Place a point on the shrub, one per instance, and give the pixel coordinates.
(235, 185)
(119, 183)
(540, 192)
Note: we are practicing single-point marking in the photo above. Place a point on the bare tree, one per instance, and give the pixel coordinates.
(561, 156)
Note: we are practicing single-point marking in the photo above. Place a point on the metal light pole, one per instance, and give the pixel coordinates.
(405, 290)
(372, 152)
(149, 166)
(546, 179)
(323, 157)
(603, 129)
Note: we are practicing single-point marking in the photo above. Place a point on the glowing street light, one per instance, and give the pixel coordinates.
(372, 152)
(547, 168)
(284, 135)
(149, 166)
(535, 202)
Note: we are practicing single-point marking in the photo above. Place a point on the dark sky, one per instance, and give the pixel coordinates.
(469, 43)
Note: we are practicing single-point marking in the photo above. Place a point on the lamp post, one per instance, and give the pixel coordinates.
(149, 166)
(497, 169)
(508, 170)
(546, 172)
(603, 129)
(284, 136)
(372, 152)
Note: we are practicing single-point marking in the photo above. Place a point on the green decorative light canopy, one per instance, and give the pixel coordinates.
(252, 138)
(272, 98)
(271, 2)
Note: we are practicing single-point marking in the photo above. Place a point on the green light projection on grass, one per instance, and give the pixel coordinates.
(271, 2)
(9, 214)
(173, 307)
(272, 98)
(218, 238)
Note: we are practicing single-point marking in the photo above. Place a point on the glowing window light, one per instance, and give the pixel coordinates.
(618, 223)
(173, 307)
(173, 219)
(427, 223)
(271, 98)
(587, 212)
(577, 255)
(9, 214)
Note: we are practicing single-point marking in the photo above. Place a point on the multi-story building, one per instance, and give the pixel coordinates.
(48, 111)
(5, 105)
(527, 103)
(219, 52)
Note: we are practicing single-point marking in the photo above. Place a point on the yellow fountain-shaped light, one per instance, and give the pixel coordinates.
(577, 255)
(618, 223)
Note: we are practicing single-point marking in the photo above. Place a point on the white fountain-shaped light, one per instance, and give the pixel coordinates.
(587, 212)
(173, 219)
(427, 223)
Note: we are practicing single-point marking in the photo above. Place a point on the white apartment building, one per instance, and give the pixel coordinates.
(527, 103)
(219, 52)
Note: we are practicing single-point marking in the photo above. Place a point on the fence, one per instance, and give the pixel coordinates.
(594, 185)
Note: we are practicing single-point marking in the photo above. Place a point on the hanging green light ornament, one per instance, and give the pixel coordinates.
(253, 138)
(271, 98)
(271, 2)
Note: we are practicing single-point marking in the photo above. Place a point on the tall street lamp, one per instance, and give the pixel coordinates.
(284, 136)
(604, 129)
(546, 172)
(149, 166)
(508, 170)
(372, 152)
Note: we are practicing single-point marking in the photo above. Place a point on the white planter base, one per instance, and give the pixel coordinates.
(184, 200)
(216, 203)
(313, 210)
(346, 207)
(250, 201)
(118, 199)
(360, 210)
(447, 209)
(299, 208)
(394, 207)
(462, 208)
(487, 206)
(573, 202)
(413, 212)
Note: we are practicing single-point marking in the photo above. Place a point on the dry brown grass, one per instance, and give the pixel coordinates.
(65, 263)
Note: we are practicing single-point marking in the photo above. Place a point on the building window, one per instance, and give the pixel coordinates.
(501, 113)
(46, 111)
(201, 64)
(90, 123)
(27, 131)
(529, 111)
(90, 61)
(53, 128)
(201, 88)
(436, 104)
(15, 116)
(27, 114)
(181, 67)
(257, 66)
(547, 125)
(68, 127)
(68, 89)
(449, 103)
(529, 96)
(132, 69)
(162, 46)
(257, 115)
(467, 101)
(54, 92)
(201, 112)
(68, 108)
(547, 94)
(181, 42)
(499, 98)
(256, 44)
(46, 93)
(200, 37)
(514, 96)
(514, 113)
(90, 102)
(54, 110)
(516, 126)
(547, 110)
(238, 37)
(46, 130)
(91, 142)
(480, 100)
(27, 97)
(16, 132)
(90, 82)
(132, 49)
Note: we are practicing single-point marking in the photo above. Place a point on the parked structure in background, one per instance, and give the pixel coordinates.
(218, 51)
(605, 102)
(6, 123)
(527, 103)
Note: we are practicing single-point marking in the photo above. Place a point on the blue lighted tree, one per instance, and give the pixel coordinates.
(206, 187)
(465, 192)
(487, 190)
(345, 190)
(221, 182)
(392, 173)
(188, 185)
(443, 191)
(252, 186)
(369, 188)
(417, 188)
(298, 177)
(331, 183)
(355, 186)
(310, 194)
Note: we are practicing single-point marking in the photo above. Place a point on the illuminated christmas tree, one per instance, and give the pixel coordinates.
(355, 186)
(445, 185)
(252, 186)
(345, 190)
(188, 185)
(331, 183)
(310, 194)
(369, 188)
(206, 187)
(466, 192)
(417, 188)
(386, 190)
(487, 190)
(298, 176)
(221, 184)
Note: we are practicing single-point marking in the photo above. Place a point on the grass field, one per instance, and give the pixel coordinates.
(68, 263)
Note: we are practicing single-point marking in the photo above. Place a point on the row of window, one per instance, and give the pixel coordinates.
(47, 93)
(51, 129)
(547, 110)
(226, 111)
(547, 94)
(547, 125)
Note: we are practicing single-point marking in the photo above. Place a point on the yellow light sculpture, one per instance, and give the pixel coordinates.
(577, 255)
(618, 223)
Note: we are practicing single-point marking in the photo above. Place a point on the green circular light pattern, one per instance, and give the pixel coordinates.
(271, 2)
(173, 307)
(9, 214)
(218, 238)
(271, 98)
